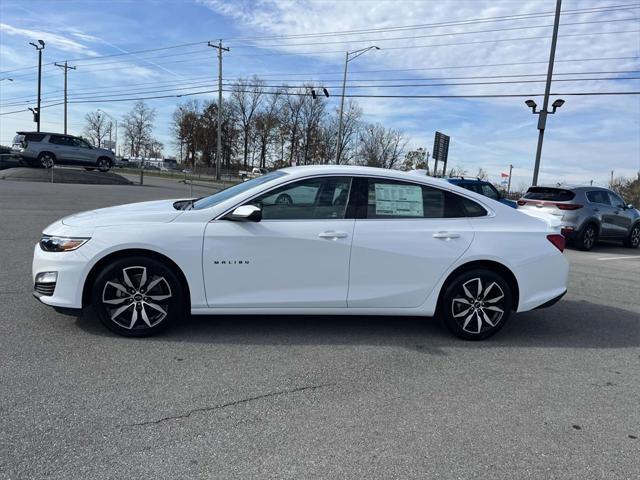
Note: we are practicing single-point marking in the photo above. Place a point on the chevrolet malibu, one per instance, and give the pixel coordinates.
(365, 242)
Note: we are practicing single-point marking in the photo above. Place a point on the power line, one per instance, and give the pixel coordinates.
(353, 32)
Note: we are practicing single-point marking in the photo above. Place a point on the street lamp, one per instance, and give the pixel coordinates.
(348, 57)
(542, 122)
(39, 49)
(112, 120)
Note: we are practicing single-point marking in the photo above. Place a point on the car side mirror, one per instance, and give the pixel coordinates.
(629, 206)
(246, 213)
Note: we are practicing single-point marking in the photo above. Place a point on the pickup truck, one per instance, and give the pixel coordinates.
(253, 173)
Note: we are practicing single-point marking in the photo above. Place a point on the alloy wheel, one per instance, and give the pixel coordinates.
(138, 299)
(589, 237)
(635, 237)
(103, 165)
(478, 307)
(46, 161)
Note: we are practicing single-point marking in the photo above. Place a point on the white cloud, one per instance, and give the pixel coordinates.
(53, 39)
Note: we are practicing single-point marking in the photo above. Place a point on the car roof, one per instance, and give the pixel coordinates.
(456, 180)
(413, 175)
(573, 187)
(43, 133)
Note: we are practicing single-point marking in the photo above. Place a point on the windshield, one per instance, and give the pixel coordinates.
(227, 193)
(550, 194)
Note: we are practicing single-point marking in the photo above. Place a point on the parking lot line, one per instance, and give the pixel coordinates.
(619, 258)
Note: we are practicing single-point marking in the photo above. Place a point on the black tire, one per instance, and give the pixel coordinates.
(587, 237)
(104, 164)
(284, 199)
(90, 169)
(46, 160)
(472, 310)
(633, 239)
(115, 299)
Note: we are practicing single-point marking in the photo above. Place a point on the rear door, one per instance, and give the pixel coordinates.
(601, 205)
(62, 148)
(406, 236)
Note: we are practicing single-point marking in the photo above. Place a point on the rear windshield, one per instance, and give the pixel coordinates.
(29, 137)
(551, 194)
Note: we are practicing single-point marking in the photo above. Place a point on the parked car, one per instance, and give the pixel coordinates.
(45, 149)
(253, 173)
(372, 242)
(587, 214)
(483, 188)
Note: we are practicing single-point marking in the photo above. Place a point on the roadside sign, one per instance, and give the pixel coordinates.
(440, 151)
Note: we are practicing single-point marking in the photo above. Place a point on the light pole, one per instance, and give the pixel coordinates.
(112, 120)
(39, 49)
(542, 119)
(348, 57)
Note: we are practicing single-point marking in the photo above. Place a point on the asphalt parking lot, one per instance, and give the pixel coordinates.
(556, 394)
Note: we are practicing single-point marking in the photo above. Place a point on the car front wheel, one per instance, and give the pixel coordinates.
(104, 164)
(137, 296)
(476, 304)
(633, 240)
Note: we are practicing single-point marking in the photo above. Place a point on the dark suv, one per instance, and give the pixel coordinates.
(587, 214)
(44, 149)
(483, 188)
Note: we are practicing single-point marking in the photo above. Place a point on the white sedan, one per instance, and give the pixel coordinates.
(365, 242)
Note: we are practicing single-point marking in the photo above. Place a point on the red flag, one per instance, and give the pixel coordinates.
(504, 175)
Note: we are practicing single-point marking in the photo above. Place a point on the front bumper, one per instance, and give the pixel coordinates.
(71, 272)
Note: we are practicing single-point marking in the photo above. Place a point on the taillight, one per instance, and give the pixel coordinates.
(568, 206)
(522, 202)
(557, 240)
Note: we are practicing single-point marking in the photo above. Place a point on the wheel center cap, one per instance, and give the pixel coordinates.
(137, 297)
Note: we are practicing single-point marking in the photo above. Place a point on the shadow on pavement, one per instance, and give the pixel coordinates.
(574, 324)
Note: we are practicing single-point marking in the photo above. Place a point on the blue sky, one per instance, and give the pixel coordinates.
(585, 140)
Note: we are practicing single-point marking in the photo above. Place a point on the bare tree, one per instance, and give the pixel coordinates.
(381, 147)
(266, 123)
(185, 128)
(138, 127)
(292, 110)
(246, 96)
(351, 125)
(482, 174)
(311, 116)
(96, 128)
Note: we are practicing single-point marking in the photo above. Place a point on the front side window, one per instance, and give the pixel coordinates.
(388, 199)
(79, 142)
(312, 198)
(616, 201)
(234, 190)
(60, 140)
(489, 191)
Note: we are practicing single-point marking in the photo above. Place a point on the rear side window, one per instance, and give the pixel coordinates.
(60, 140)
(471, 208)
(598, 196)
(34, 137)
(395, 199)
(550, 194)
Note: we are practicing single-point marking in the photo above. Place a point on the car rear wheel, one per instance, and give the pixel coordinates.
(587, 238)
(46, 160)
(104, 164)
(476, 304)
(284, 199)
(633, 239)
(137, 296)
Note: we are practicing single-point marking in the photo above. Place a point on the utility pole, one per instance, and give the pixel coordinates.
(611, 182)
(39, 49)
(66, 68)
(348, 57)
(542, 118)
(219, 133)
(509, 184)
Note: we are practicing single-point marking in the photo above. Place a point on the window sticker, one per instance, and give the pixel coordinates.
(399, 200)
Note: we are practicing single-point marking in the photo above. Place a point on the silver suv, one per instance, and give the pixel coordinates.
(46, 149)
(587, 214)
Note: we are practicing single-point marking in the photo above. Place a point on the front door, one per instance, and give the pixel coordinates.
(621, 218)
(296, 256)
(405, 238)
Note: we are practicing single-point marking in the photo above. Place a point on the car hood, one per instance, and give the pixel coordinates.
(104, 151)
(159, 211)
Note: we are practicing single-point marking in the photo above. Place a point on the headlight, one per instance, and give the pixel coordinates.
(50, 243)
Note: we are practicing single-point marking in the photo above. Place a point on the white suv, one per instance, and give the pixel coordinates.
(46, 149)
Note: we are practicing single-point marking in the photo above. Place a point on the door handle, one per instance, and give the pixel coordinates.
(596, 209)
(446, 235)
(332, 235)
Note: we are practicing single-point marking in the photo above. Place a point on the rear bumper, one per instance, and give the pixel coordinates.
(552, 302)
